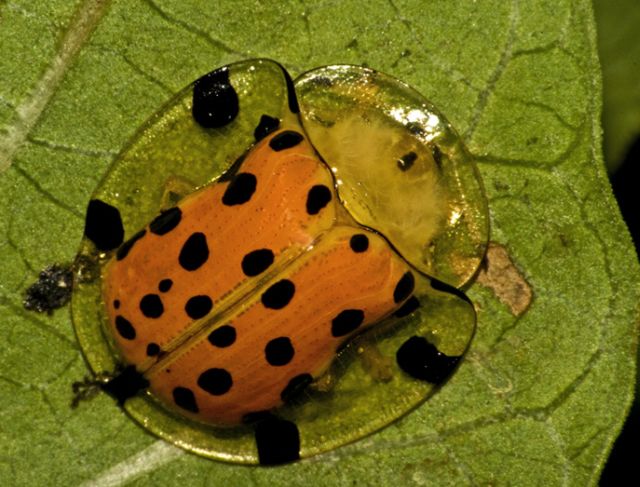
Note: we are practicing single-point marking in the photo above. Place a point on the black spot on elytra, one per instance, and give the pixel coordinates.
(317, 198)
(240, 189)
(404, 287)
(126, 247)
(215, 381)
(359, 243)
(295, 387)
(103, 225)
(153, 349)
(184, 398)
(422, 360)
(277, 440)
(125, 328)
(198, 306)
(406, 161)
(166, 221)
(215, 101)
(151, 306)
(285, 140)
(256, 262)
(447, 288)
(116, 303)
(279, 351)
(128, 383)
(278, 295)
(222, 337)
(346, 322)
(164, 286)
(194, 252)
(409, 306)
(266, 125)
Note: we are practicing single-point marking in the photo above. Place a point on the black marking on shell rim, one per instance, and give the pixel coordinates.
(51, 291)
(231, 172)
(166, 221)
(409, 306)
(266, 125)
(128, 383)
(277, 440)
(295, 387)
(103, 225)
(422, 360)
(404, 287)
(153, 349)
(406, 161)
(448, 288)
(126, 247)
(292, 99)
(215, 101)
(437, 156)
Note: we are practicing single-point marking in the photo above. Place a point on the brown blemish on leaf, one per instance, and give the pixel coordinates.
(501, 276)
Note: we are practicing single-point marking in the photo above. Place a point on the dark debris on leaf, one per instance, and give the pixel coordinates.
(51, 291)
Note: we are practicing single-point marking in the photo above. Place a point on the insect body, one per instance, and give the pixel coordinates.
(232, 301)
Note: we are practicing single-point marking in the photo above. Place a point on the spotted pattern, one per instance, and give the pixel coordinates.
(194, 252)
(240, 189)
(215, 101)
(125, 328)
(285, 140)
(103, 225)
(165, 285)
(153, 349)
(166, 221)
(151, 306)
(279, 351)
(198, 306)
(256, 262)
(223, 337)
(279, 294)
(404, 288)
(359, 243)
(215, 381)
(318, 197)
(126, 247)
(185, 398)
(346, 322)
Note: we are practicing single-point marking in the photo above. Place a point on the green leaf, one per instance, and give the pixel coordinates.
(619, 49)
(540, 397)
